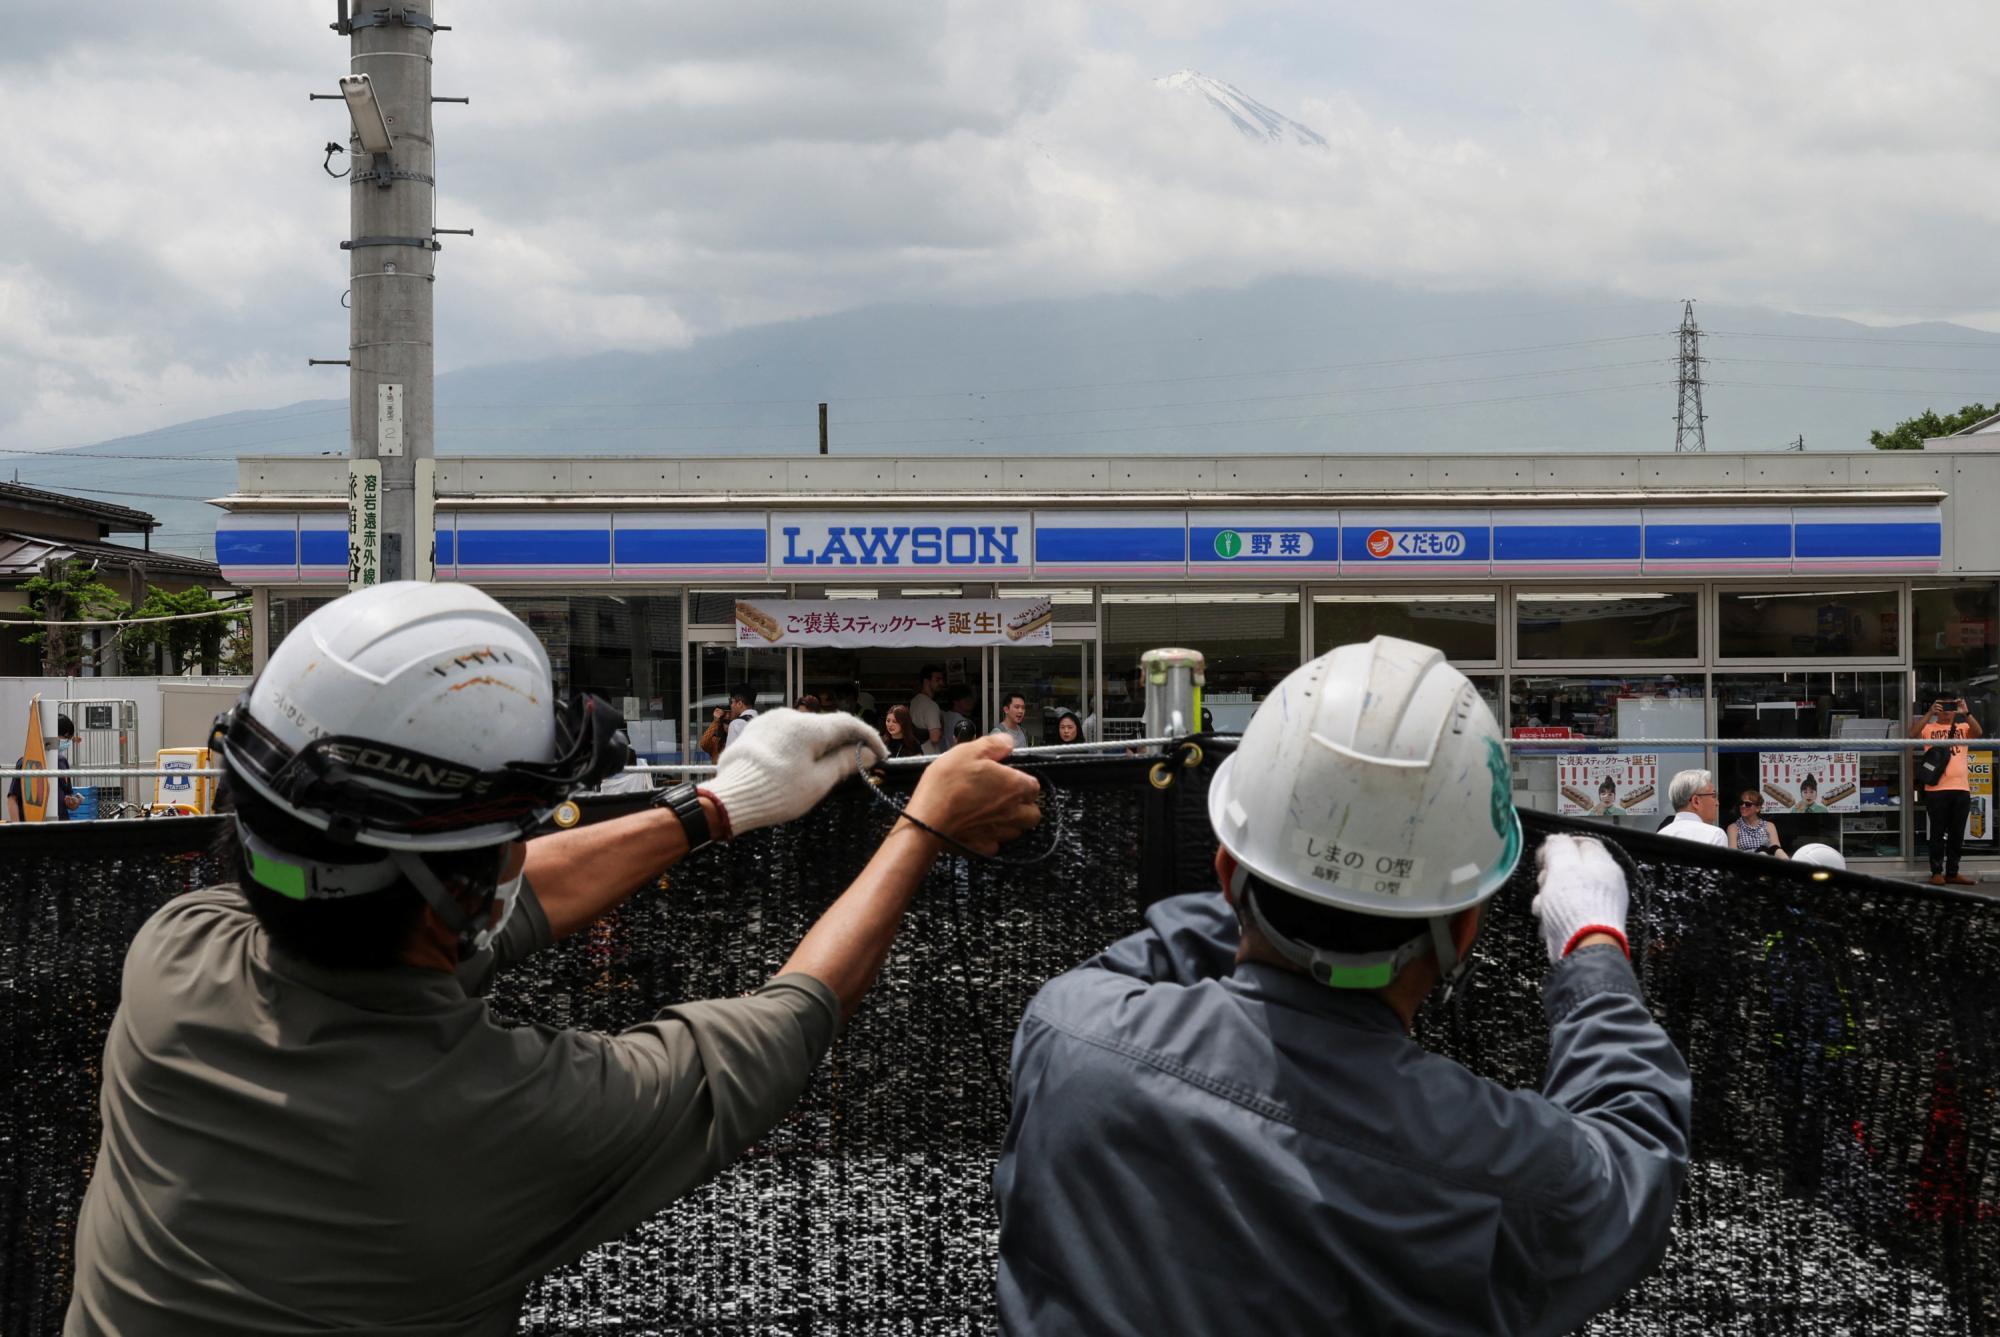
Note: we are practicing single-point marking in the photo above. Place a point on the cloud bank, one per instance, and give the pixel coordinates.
(649, 174)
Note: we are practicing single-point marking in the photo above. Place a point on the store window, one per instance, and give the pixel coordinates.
(713, 608)
(625, 648)
(1464, 626)
(1553, 717)
(286, 611)
(1250, 639)
(1836, 792)
(1629, 625)
(1809, 624)
(1955, 653)
(1073, 607)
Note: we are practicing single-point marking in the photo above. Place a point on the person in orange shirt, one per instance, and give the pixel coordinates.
(1948, 802)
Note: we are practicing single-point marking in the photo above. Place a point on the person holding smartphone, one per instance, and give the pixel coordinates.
(1948, 803)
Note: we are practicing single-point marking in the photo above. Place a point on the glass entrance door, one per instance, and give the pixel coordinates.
(719, 669)
(1053, 678)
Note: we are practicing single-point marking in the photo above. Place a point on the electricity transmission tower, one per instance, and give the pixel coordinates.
(1689, 433)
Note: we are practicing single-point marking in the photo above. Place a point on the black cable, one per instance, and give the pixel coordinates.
(326, 164)
(1054, 806)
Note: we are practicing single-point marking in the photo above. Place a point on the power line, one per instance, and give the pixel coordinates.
(1253, 422)
(234, 610)
(1991, 345)
(1106, 408)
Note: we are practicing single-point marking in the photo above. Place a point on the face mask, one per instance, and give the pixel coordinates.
(62, 747)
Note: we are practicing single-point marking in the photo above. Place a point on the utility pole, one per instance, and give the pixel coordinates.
(1690, 436)
(392, 260)
(822, 429)
(1799, 444)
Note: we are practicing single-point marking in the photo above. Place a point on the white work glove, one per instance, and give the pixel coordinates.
(1581, 887)
(784, 763)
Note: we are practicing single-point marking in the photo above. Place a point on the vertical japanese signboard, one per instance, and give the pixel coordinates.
(364, 524)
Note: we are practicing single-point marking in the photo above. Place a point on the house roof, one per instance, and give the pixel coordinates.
(1990, 423)
(118, 518)
(22, 556)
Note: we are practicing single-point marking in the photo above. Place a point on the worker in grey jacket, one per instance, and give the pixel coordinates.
(313, 1123)
(1222, 1124)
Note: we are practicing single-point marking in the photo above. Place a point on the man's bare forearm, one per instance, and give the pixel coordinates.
(845, 949)
(578, 875)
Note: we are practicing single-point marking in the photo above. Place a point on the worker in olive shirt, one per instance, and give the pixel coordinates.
(312, 1123)
(1222, 1124)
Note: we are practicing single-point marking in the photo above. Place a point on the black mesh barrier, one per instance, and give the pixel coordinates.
(1842, 1033)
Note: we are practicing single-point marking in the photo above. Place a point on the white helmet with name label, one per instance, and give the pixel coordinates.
(1371, 780)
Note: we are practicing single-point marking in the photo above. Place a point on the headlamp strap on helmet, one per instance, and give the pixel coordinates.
(300, 879)
(471, 940)
(1337, 970)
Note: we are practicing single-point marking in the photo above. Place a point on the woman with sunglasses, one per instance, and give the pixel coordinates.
(1750, 832)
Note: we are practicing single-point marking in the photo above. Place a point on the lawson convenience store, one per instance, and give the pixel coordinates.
(1593, 597)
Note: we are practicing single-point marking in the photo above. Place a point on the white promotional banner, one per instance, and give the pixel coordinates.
(855, 624)
(1809, 782)
(1607, 784)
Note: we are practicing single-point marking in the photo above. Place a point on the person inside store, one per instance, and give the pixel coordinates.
(899, 734)
(311, 1119)
(742, 709)
(1013, 710)
(957, 711)
(716, 734)
(925, 710)
(1750, 832)
(1948, 802)
(807, 704)
(964, 731)
(67, 799)
(1223, 1124)
(1069, 729)
(1696, 809)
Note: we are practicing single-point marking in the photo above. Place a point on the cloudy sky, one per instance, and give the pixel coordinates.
(641, 174)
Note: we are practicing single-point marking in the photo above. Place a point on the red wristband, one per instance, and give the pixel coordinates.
(1588, 929)
(721, 813)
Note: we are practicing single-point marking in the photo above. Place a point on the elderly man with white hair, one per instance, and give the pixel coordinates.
(1695, 809)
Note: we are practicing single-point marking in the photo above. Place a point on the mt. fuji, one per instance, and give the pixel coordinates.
(1251, 117)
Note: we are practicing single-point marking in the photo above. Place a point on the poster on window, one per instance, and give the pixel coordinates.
(1607, 784)
(1809, 782)
(860, 624)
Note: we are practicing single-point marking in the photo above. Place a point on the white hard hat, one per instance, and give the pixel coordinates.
(413, 718)
(1826, 856)
(1372, 779)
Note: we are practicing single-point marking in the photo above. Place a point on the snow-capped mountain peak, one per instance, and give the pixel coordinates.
(1251, 117)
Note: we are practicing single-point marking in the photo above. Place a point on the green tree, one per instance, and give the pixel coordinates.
(1911, 433)
(68, 590)
(204, 624)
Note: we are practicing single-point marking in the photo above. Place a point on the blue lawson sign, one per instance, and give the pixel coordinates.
(901, 542)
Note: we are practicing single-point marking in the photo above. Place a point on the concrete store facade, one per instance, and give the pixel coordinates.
(1615, 596)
